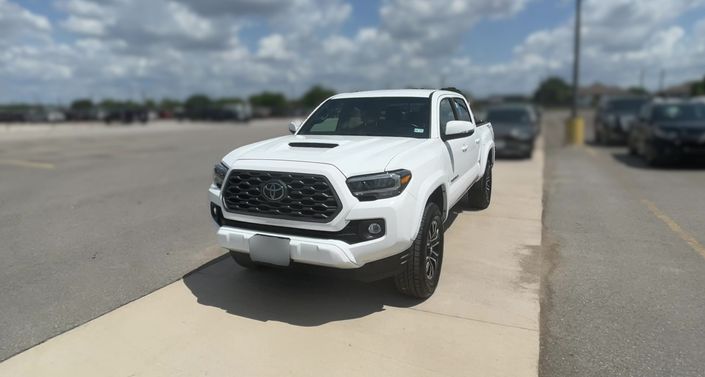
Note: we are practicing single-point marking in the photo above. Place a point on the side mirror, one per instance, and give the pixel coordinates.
(459, 128)
(294, 125)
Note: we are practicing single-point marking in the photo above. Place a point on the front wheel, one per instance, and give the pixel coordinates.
(419, 276)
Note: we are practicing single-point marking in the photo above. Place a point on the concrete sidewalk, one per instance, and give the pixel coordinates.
(225, 321)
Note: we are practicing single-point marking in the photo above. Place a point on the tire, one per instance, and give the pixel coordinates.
(419, 276)
(631, 148)
(243, 260)
(480, 193)
(652, 157)
(598, 137)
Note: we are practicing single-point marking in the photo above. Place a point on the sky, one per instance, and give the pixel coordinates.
(53, 51)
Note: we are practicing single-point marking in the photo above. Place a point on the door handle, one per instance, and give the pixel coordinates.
(464, 147)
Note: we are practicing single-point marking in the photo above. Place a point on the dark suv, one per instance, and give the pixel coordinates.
(668, 131)
(614, 118)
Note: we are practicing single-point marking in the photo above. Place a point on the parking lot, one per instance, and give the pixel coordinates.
(124, 213)
(586, 263)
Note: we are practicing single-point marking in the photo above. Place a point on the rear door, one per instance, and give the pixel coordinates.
(457, 150)
(473, 152)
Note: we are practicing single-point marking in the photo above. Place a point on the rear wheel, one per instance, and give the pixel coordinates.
(480, 193)
(652, 157)
(419, 276)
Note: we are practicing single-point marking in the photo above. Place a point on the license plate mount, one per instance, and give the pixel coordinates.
(271, 250)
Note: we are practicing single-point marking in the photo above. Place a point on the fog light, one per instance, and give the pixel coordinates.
(374, 229)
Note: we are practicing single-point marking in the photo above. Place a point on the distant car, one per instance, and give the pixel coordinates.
(515, 129)
(127, 116)
(669, 131)
(614, 118)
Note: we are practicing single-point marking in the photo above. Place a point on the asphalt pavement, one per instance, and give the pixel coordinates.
(92, 217)
(624, 263)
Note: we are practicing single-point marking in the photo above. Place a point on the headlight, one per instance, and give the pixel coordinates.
(520, 134)
(379, 186)
(665, 133)
(219, 172)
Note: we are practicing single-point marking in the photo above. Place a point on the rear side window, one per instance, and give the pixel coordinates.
(462, 109)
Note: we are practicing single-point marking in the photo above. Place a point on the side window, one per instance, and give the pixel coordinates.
(446, 114)
(645, 112)
(462, 109)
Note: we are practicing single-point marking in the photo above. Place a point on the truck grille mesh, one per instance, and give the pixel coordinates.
(306, 197)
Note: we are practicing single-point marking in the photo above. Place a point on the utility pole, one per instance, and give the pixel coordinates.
(576, 59)
(661, 80)
(576, 127)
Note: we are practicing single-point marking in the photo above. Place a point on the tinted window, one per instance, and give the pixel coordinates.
(630, 105)
(509, 116)
(384, 116)
(446, 114)
(679, 112)
(462, 109)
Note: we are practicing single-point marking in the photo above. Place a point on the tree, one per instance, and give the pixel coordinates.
(553, 91)
(698, 88)
(637, 90)
(169, 104)
(228, 101)
(275, 102)
(82, 104)
(197, 102)
(314, 96)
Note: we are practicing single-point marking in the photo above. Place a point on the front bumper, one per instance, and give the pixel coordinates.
(321, 244)
(677, 148)
(513, 147)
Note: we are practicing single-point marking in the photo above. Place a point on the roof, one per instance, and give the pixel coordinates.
(389, 93)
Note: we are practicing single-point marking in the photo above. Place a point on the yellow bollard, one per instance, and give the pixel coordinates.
(575, 131)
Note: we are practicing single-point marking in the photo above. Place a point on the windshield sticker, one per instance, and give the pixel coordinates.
(418, 130)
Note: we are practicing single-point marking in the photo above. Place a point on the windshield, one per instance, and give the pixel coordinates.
(679, 113)
(521, 116)
(383, 116)
(631, 105)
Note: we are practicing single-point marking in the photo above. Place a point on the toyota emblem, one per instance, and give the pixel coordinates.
(273, 190)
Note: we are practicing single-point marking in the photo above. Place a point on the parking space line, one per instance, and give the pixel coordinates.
(684, 235)
(27, 164)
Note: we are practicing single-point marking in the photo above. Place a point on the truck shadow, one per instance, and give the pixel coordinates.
(269, 294)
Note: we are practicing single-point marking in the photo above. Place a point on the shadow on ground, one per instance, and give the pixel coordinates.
(639, 163)
(296, 298)
(270, 294)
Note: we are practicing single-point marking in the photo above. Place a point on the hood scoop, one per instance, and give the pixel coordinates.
(312, 145)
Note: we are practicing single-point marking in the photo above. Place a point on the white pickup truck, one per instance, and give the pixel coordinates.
(362, 188)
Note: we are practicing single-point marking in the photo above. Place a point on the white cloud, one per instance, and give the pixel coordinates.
(16, 21)
(177, 47)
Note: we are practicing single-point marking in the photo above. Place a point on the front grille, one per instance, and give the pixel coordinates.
(306, 197)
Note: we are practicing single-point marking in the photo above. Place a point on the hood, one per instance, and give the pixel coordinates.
(352, 155)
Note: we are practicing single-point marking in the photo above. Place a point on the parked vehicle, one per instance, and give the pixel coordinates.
(614, 118)
(515, 129)
(361, 189)
(126, 116)
(669, 131)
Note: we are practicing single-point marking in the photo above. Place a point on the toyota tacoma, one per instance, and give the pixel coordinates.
(361, 189)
